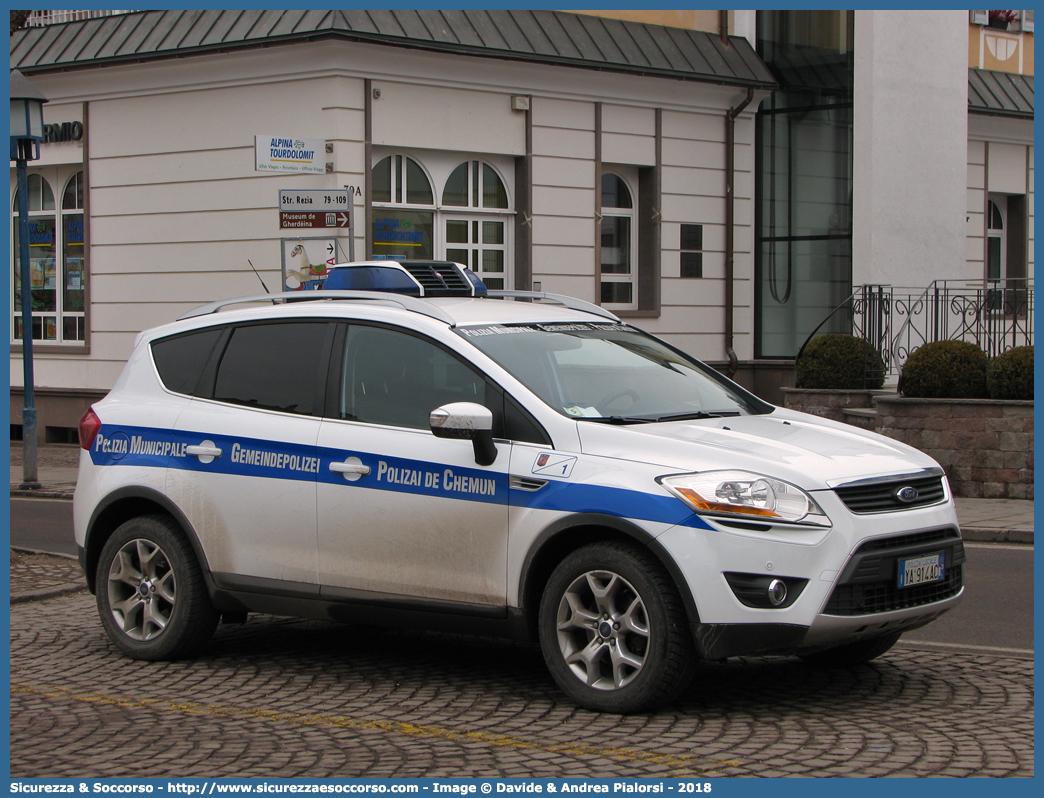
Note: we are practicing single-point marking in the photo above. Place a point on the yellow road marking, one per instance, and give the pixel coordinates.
(682, 765)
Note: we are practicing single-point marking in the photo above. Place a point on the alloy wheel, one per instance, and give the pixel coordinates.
(141, 589)
(603, 630)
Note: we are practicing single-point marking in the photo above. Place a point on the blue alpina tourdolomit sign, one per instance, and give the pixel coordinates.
(288, 154)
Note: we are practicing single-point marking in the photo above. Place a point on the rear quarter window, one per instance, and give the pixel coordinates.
(180, 359)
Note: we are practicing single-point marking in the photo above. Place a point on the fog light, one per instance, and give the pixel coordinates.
(777, 592)
(765, 591)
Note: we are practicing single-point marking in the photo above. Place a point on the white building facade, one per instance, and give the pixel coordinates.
(612, 160)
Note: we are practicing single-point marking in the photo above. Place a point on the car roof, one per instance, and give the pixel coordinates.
(411, 311)
(469, 312)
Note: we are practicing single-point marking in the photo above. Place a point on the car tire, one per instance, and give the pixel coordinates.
(850, 654)
(613, 630)
(151, 595)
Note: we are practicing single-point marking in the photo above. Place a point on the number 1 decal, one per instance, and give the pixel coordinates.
(554, 465)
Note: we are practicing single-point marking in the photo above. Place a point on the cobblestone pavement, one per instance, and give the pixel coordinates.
(282, 698)
(32, 573)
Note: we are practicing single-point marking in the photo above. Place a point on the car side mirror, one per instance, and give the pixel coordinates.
(469, 421)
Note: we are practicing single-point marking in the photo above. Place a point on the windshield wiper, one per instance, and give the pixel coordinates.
(696, 415)
(617, 419)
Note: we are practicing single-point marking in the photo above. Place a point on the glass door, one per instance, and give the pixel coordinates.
(480, 244)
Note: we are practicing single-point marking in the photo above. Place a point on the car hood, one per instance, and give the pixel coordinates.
(807, 451)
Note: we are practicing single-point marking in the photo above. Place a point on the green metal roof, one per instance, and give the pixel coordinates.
(1000, 94)
(545, 37)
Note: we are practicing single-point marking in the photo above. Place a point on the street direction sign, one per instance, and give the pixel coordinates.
(315, 209)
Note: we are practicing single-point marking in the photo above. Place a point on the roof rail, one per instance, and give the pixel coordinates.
(410, 303)
(569, 301)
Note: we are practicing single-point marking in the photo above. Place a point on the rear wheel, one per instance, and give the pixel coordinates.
(852, 653)
(151, 596)
(613, 630)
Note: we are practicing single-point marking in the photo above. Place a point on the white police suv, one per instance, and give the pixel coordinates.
(423, 454)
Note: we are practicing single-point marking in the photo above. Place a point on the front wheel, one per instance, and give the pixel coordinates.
(613, 630)
(151, 596)
(852, 653)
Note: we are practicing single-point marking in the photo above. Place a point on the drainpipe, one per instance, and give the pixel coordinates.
(730, 177)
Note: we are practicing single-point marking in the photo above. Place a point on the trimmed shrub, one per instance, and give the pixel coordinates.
(1010, 375)
(945, 370)
(841, 363)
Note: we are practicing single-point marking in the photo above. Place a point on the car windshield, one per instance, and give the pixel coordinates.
(610, 372)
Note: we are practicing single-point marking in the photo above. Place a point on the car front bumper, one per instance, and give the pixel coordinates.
(847, 576)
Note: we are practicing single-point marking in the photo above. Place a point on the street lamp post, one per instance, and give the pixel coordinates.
(26, 134)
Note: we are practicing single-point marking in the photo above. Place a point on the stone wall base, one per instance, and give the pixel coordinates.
(826, 403)
(985, 445)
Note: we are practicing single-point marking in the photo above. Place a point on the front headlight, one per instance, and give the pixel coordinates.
(740, 493)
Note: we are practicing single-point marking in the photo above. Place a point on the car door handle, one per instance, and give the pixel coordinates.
(203, 451)
(350, 468)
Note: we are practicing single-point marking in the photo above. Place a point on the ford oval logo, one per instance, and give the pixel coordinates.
(907, 494)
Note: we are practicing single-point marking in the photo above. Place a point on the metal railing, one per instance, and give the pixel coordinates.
(996, 315)
(38, 19)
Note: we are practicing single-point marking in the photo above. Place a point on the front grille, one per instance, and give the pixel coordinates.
(902, 541)
(884, 596)
(869, 583)
(882, 497)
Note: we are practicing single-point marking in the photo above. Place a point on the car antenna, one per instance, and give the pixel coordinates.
(259, 277)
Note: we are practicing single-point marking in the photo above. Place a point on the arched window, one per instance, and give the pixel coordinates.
(400, 180)
(443, 206)
(618, 242)
(73, 197)
(74, 271)
(41, 198)
(473, 235)
(475, 185)
(57, 264)
(401, 233)
(43, 249)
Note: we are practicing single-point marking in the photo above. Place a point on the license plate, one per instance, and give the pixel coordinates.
(919, 570)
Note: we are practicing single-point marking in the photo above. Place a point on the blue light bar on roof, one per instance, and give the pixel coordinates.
(424, 278)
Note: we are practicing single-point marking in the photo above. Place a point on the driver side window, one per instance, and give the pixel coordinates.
(397, 379)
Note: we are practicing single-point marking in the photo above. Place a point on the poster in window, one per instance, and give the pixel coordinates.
(73, 274)
(50, 281)
(399, 235)
(36, 272)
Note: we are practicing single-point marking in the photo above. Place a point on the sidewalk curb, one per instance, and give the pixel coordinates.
(50, 592)
(987, 535)
(45, 492)
(53, 592)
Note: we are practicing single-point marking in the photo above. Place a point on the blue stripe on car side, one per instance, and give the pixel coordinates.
(250, 457)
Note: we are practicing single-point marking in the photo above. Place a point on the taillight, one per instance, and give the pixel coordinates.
(88, 429)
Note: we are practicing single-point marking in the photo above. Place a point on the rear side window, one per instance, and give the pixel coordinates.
(275, 366)
(180, 359)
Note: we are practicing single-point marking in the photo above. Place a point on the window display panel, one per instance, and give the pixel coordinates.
(57, 262)
(403, 235)
(42, 266)
(74, 275)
